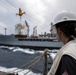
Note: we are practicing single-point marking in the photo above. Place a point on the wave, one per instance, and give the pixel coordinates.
(16, 53)
(29, 51)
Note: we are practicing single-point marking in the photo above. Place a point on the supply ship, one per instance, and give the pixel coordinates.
(21, 37)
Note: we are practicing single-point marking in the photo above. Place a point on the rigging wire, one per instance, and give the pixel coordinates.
(3, 1)
(26, 8)
(28, 19)
(43, 28)
(16, 9)
(7, 4)
(11, 3)
(26, 15)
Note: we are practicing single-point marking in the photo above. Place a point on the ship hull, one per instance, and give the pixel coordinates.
(11, 40)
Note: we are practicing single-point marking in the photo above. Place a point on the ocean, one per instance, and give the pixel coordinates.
(11, 58)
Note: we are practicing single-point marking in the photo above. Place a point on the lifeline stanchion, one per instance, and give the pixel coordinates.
(46, 62)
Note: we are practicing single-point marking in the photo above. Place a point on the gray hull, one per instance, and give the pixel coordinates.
(11, 40)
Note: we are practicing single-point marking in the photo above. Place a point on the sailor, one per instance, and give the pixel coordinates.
(65, 60)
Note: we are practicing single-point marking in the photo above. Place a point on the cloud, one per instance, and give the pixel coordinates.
(2, 25)
(3, 10)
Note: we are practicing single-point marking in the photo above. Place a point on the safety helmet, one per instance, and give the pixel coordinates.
(64, 16)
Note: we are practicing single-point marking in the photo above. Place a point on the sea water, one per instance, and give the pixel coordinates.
(11, 58)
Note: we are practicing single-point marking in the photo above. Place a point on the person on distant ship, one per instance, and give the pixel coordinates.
(65, 60)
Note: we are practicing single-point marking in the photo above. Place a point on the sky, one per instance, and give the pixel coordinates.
(39, 13)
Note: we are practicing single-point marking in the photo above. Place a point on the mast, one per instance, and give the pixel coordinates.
(5, 30)
(51, 30)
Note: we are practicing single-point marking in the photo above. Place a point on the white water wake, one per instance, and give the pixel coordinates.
(8, 70)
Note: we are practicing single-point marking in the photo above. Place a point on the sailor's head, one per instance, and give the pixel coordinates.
(65, 24)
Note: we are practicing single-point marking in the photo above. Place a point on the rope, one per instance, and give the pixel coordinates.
(27, 63)
(50, 58)
(32, 65)
(37, 61)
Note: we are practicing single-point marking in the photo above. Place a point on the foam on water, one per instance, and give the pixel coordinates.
(29, 51)
(8, 70)
(15, 49)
